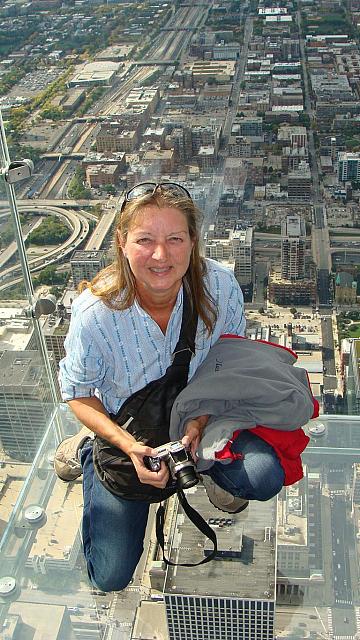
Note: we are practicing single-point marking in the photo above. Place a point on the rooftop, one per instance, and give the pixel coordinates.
(252, 533)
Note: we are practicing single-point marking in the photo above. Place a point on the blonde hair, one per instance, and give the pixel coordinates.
(116, 284)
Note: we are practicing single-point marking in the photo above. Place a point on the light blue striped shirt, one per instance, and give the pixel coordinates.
(112, 354)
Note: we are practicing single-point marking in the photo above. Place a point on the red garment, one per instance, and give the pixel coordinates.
(288, 445)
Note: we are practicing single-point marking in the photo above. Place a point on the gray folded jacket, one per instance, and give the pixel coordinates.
(243, 383)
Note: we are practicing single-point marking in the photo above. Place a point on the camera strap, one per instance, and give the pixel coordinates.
(199, 523)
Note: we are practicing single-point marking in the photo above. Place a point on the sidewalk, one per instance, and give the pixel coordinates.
(337, 358)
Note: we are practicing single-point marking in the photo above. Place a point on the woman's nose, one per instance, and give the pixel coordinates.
(160, 252)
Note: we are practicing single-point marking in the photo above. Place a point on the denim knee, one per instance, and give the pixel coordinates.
(108, 581)
(267, 486)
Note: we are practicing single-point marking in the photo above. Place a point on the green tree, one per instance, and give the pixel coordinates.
(56, 291)
(49, 275)
(52, 113)
(109, 188)
(51, 231)
(76, 189)
(96, 209)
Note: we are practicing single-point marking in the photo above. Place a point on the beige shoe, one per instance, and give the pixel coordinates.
(222, 499)
(66, 461)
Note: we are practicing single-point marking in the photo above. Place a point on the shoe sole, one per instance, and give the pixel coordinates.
(239, 510)
(67, 479)
(55, 461)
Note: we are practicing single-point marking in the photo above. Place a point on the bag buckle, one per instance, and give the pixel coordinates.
(181, 351)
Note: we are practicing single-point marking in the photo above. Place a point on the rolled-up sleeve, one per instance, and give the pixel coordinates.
(82, 371)
(235, 317)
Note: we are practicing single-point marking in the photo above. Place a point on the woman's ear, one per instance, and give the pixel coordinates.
(121, 243)
(120, 240)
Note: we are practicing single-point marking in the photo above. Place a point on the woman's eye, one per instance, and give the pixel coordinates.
(175, 239)
(143, 241)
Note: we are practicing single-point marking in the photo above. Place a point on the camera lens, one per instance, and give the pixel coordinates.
(186, 477)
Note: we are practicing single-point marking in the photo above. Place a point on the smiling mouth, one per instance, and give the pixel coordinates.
(160, 270)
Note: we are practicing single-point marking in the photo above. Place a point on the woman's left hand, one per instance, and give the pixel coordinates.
(193, 434)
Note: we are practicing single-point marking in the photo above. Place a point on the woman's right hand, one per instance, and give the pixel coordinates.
(136, 452)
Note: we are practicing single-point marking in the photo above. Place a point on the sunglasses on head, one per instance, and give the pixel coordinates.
(148, 188)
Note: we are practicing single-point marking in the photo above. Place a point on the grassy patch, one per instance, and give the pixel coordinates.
(354, 331)
(345, 233)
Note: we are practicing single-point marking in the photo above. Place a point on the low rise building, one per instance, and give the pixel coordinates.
(94, 157)
(86, 264)
(143, 97)
(248, 126)
(95, 73)
(116, 52)
(292, 157)
(291, 293)
(215, 96)
(98, 175)
(221, 71)
(155, 135)
(240, 147)
(73, 100)
(41, 620)
(226, 51)
(295, 136)
(287, 96)
(254, 99)
(345, 288)
(161, 160)
(113, 137)
(234, 174)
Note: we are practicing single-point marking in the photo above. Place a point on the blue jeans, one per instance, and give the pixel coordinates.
(114, 528)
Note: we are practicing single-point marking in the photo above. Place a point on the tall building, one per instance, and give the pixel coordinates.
(356, 483)
(301, 566)
(205, 136)
(86, 264)
(293, 238)
(25, 402)
(233, 597)
(353, 379)
(55, 329)
(299, 182)
(243, 252)
(348, 166)
(230, 204)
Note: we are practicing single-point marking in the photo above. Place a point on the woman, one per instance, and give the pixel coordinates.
(124, 330)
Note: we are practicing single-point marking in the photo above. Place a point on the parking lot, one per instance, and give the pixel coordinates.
(35, 82)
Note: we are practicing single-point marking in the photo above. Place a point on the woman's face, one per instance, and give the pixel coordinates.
(158, 249)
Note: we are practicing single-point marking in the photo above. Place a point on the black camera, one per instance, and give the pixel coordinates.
(179, 461)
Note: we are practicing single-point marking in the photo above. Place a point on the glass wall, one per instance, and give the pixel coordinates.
(254, 108)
